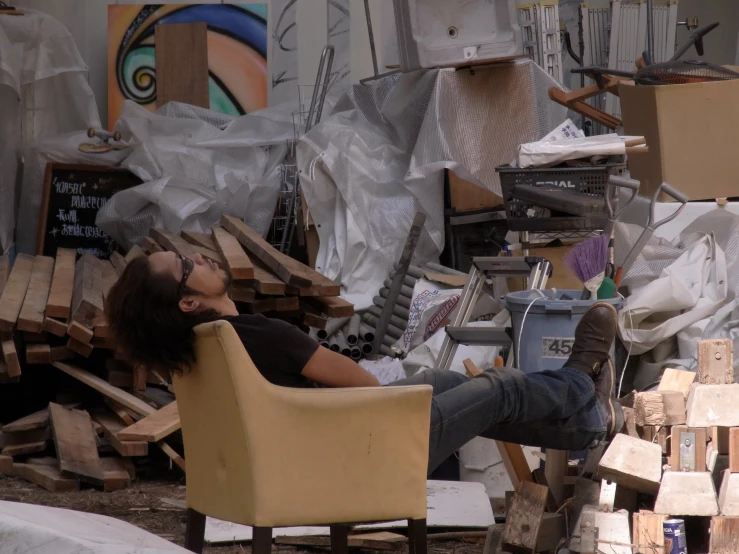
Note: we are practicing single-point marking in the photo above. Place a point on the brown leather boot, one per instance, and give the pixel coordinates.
(594, 336)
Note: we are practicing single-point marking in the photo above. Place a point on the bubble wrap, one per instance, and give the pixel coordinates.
(380, 157)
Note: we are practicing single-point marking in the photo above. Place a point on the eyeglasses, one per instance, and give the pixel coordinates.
(187, 267)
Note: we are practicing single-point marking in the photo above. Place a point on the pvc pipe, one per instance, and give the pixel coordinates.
(352, 330)
(404, 290)
(399, 311)
(332, 325)
(324, 344)
(356, 354)
(386, 340)
(392, 330)
(408, 281)
(416, 272)
(366, 332)
(332, 344)
(384, 350)
(341, 342)
(365, 347)
(403, 301)
(436, 268)
(399, 322)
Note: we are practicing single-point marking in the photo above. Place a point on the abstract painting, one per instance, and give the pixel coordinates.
(237, 54)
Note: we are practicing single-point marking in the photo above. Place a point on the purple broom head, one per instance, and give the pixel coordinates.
(588, 258)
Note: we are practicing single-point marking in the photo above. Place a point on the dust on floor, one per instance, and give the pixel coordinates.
(150, 506)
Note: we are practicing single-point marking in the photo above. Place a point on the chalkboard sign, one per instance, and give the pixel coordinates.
(72, 196)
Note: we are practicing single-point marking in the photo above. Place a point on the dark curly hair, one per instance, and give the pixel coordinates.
(144, 316)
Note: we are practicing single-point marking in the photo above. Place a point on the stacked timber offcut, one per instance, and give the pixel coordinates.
(51, 313)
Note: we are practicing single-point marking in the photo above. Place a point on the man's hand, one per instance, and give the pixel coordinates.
(331, 369)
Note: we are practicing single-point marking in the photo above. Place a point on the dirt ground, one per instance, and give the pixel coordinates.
(145, 504)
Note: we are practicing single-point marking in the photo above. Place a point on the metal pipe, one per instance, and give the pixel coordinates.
(367, 334)
(365, 347)
(408, 281)
(332, 325)
(443, 269)
(356, 354)
(332, 344)
(371, 37)
(392, 330)
(404, 301)
(394, 320)
(341, 342)
(650, 30)
(352, 330)
(399, 311)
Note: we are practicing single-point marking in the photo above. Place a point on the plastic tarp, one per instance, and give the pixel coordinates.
(43, 530)
(380, 158)
(40, 64)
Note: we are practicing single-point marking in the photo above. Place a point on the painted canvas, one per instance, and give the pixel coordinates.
(237, 54)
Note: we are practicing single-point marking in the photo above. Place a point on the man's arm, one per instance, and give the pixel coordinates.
(331, 369)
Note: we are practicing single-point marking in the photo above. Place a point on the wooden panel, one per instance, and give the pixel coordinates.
(11, 358)
(87, 296)
(648, 533)
(677, 380)
(233, 254)
(182, 63)
(155, 427)
(715, 362)
(199, 239)
(466, 196)
(524, 518)
(724, 535)
(14, 293)
(119, 262)
(76, 447)
(38, 354)
(47, 477)
(31, 318)
(332, 306)
(59, 303)
(112, 425)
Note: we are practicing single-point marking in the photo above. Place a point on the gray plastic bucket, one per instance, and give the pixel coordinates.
(549, 329)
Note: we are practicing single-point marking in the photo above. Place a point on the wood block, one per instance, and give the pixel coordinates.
(55, 327)
(80, 332)
(110, 277)
(265, 281)
(714, 405)
(115, 474)
(112, 425)
(314, 320)
(14, 292)
(659, 435)
(721, 440)
(182, 64)
(4, 272)
(61, 353)
(24, 449)
(660, 408)
(699, 447)
(332, 306)
(139, 378)
(87, 296)
(470, 368)
(135, 252)
(241, 292)
(149, 246)
(734, 450)
(119, 262)
(11, 358)
(649, 533)
(31, 317)
(81, 348)
(38, 354)
(687, 494)
(677, 380)
(524, 518)
(724, 535)
(728, 498)
(233, 254)
(154, 427)
(199, 239)
(6, 465)
(633, 463)
(171, 242)
(59, 303)
(75, 443)
(47, 477)
(715, 362)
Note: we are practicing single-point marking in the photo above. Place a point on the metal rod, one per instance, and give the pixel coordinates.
(399, 311)
(332, 326)
(352, 330)
(367, 334)
(650, 30)
(371, 37)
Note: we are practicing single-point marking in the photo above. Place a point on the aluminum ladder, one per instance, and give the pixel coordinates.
(536, 269)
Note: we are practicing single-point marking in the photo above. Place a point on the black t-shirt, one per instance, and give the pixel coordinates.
(278, 349)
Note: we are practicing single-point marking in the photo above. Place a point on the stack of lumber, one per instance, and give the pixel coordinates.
(51, 314)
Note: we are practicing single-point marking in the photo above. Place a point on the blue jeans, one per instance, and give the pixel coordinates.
(552, 409)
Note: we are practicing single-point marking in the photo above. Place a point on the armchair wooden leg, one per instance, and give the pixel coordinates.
(339, 539)
(261, 542)
(195, 531)
(417, 543)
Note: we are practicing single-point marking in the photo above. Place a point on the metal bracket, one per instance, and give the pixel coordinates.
(607, 495)
(687, 451)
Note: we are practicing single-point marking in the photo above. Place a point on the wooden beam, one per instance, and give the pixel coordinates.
(122, 397)
(36, 420)
(135, 252)
(715, 362)
(55, 327)
(315, 320)
(265, 281)
(112, 425)
(471, 369)
(110, 277)
(176, 458)
(724, 535)
(46, 477)
(11, 358)
(87, 296)
(555, 469)
(524, 518)
(155, 427)
(648, 532)
(119, 262)
(75, 443)
(173, 243)
(199, 239)
(82, 348)
(515, 462)
(241, 292)
(332, 306)
(59, 303)
(31, 317)
(677, 380)
(79, 332)
(14, 292)
(38, 354)
(121, 411)
(115, 474)
(233, 254)
(734, 450)
(4, 272)
(24, 449)
(664, 408)
(149, 246)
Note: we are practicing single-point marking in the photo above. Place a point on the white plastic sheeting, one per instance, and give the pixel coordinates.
(39, 63)
(380, 158)
(26, 528)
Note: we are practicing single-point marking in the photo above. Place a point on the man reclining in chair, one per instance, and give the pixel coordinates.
(158, 300)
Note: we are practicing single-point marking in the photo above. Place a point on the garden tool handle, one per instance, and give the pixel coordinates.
(621, 182)
(672, 192)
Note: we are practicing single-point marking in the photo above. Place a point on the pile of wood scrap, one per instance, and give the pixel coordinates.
(51, 313)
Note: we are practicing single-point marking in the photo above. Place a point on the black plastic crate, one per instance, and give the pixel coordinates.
(524, 216)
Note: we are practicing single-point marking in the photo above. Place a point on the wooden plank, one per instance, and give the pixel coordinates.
(36, 420)
(724, 535)
(173, 243)
(524, 518)
(241, 292)
(287, 304)
(199, 239)
(55, 327)
(24, 449)
(676, 379)
(715, 362)
(472, 371)
(122, 397)
(112, 425)
(38, 354)
(701, 440)
(87, 296)
(234, 257)
(265, 281)
(648, 532)
(155, 427)
(515, 462)
(182, 64)
(14, 292)
(61, 353)
(149, 246)
(121, 411)
(75, 443)
(10, 355)
(115, 474)
(734, 450)
(555, 469)
(332, 306)
(4, 272)
(79, 332)
(47, 477)
(26, 437)
(315, 320)
(258, 306)
(176, 458)
(59, 303)
(110, 277)
(31, 317)
(289, 270)
(82, 348)
(135, 252)
(119, 262)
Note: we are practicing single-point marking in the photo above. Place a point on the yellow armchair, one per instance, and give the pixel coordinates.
(268, 456)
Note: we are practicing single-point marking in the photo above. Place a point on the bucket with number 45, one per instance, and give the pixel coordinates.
(543, 339)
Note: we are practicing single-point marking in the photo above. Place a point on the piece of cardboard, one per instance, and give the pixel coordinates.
(466, 196)
(562, 278)
(457, 281)
(691, 131)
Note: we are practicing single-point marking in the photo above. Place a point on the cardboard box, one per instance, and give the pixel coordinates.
(562, 278)
(692, 132)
